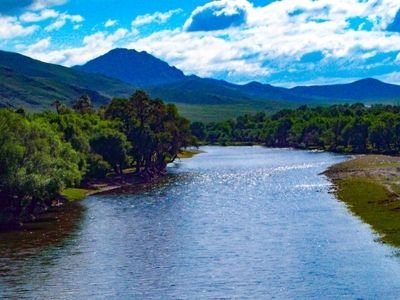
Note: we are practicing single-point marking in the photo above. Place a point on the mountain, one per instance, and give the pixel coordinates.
(169, 83)
(195, 90)
(137, 68)
(365, 90)
(32, 84)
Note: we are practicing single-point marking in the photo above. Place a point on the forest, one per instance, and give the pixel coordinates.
(42, 154)
(352, 128)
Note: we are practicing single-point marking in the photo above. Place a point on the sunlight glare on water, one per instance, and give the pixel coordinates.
(244, 222)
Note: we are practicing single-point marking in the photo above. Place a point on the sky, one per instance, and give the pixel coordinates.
(285, 43)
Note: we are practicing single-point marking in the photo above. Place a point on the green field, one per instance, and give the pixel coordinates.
(215, 113)
(369, 186)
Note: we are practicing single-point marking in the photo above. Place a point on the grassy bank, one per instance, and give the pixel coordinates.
(184, 154)
(370, 186)
(74, 194)
(114, 182)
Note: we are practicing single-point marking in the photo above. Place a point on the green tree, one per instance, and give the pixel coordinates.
(113, 147)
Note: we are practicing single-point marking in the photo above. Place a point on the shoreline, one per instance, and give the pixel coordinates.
(69, 196)
(369, 185)
(126, 180)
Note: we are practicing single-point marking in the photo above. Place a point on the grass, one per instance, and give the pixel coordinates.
(78, 194)
(369, 162)
(216, 113)
(374, 204)
(184, 154)
(369, 185)
(74, 194)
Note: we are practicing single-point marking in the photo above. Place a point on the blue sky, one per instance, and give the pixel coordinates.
(286, 42)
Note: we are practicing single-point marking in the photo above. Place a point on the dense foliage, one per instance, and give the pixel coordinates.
(340, 128)
(41, 154)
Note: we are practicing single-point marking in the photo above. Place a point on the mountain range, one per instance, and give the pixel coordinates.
(143, 70)
(32, 84)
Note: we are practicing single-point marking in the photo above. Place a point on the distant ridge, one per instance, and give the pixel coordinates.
(137, 68)
(162, 80)
(364, 90)
(34, 85)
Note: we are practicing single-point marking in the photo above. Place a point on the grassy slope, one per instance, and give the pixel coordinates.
(369, 185)
(34, 85)
(215, 113)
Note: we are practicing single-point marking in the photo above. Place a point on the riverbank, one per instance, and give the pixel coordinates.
(370, 187)
(128, 179)
(10, 220)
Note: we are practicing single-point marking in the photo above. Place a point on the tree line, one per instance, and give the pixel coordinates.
(340, 128)
(41, 154)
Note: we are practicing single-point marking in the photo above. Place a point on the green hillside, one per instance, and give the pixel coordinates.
(215, 113)
(34, 85)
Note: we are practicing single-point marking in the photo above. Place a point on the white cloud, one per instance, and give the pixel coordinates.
(62, 20)
(218, 15)
(157, 17)
(92, 46)
(393, 77)
(274, 38)
(270, 44)
(11, 28)
(39, 46)
(110, 23)
(31, 17)
(42, 4)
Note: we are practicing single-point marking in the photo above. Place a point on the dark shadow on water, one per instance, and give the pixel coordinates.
(23, 252)
(164, 181)
(52, 229)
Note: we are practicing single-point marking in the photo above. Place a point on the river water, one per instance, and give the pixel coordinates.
(244, 223)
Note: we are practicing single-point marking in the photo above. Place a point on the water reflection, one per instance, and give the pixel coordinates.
(241, 223)
(24, 252)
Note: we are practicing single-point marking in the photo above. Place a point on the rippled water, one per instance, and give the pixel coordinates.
(246, 223)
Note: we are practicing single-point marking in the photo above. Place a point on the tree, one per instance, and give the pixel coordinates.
(198, 130)
(83, 105)
(155, 131)
(60, 107)
(113, 147)
(35, 163)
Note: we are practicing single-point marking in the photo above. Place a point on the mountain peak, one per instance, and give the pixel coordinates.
(368, 82)
(137, 68)
(363, 90)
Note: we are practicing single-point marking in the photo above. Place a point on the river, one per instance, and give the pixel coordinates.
(233, 222)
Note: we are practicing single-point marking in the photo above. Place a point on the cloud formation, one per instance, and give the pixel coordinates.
(284, 41)
(218, 15)
(43, 4)
(92, 46)
(11, 28)
(62, 20)
(157, 17)
(8, 6)
(33, 17)
(110, 23)
(395, 25)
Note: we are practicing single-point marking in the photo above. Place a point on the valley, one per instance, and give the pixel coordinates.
(34, 85)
